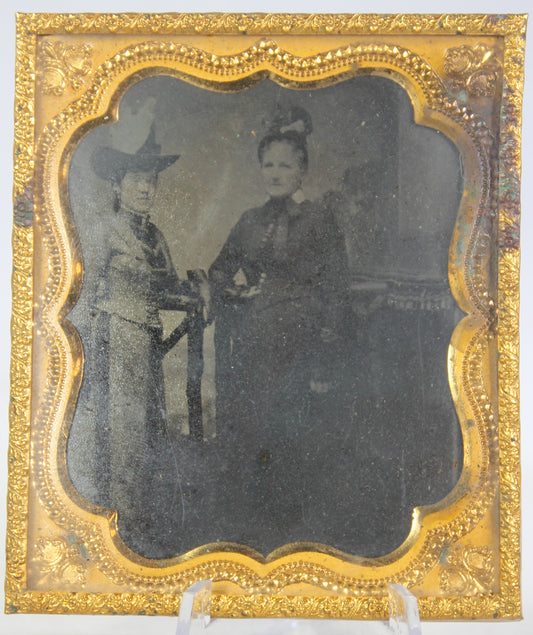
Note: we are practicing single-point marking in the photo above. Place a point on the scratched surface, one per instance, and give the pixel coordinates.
(340, 457)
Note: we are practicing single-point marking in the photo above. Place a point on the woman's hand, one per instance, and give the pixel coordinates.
(250, 292)
(244, 291)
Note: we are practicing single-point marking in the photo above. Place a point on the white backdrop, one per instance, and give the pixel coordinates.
(83, 625)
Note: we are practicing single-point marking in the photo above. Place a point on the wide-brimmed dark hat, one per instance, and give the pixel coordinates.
(111, 164)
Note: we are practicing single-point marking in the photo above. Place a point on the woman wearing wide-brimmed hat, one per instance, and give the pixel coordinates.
(138, 472)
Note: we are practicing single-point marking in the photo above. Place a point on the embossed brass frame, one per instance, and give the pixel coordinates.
(464, 74)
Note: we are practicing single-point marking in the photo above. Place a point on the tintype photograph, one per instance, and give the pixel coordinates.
(265, 316)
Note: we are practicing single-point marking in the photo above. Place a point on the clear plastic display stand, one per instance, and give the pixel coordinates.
(195, 618)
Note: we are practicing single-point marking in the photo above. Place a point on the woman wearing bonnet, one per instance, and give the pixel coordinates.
(277, 286)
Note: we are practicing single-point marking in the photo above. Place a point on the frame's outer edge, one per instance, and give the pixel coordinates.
(29, 27)
(273, 24)
(21, 320)
(508, 321)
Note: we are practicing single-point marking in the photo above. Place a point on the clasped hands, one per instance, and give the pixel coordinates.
(244, 291)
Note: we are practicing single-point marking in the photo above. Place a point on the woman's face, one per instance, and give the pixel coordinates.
(281, 169)
(137, 191)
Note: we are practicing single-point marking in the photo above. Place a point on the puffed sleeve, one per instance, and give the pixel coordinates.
(229, 261)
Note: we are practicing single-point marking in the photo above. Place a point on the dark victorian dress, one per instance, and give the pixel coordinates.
(270, 347)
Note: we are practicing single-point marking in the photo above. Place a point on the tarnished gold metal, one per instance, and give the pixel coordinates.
(464, 75)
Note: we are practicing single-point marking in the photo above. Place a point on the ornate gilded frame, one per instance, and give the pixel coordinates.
(462, 558)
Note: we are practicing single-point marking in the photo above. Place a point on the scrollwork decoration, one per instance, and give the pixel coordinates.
(472, 68)
(64, 64)
(468, 571)
(60, 561)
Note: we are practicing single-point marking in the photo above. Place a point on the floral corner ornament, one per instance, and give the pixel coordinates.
(473, 69)
(468, 571)
(62, 560)
(64, 65)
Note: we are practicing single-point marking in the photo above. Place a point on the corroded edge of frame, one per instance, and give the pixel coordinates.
(504, 604)
(508, 321)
